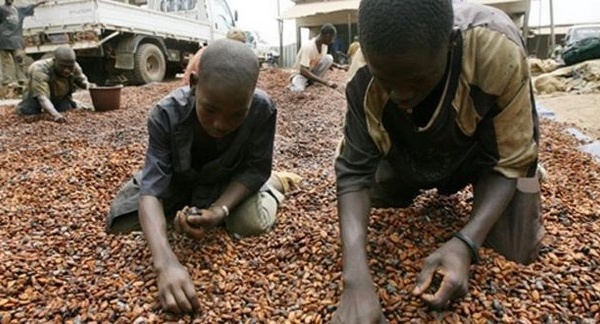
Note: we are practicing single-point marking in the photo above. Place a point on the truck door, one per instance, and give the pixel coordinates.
(222, 18)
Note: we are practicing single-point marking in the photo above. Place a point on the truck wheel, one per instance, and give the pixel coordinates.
(150, 65)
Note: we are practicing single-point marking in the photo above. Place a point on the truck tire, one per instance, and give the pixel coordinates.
(150, 65)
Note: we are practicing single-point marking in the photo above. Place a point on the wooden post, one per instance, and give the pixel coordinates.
(552, 36)
(349, 28)
(525, 27)
(280, 25)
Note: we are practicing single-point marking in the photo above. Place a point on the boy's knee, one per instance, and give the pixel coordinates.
(255, 216)
(123, 215)
(518, 234)
(122, 224)
(28, 107)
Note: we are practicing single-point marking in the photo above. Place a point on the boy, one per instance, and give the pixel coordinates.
(211, 147)
(444, 101)
(51, 84)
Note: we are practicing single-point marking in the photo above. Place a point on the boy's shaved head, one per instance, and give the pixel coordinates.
(390, 26)
(64, 53)
(229, 63)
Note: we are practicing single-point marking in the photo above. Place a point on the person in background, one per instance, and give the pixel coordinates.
(12, 55)
(210, 147)
(441, 107)
(193, 64)
(51, 84)
(313, 62)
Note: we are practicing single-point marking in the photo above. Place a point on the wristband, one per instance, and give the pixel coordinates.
(224, 208)
(470, 244)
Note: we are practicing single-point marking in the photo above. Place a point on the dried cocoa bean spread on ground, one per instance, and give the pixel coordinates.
(57, 264)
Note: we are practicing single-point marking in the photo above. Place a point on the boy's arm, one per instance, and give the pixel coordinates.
(40, 90)
(305, 71)
(154, 226)
(359, 302)
(80, 78)
(355, 167)
(175, 287)
(510, 133)
(48, 106)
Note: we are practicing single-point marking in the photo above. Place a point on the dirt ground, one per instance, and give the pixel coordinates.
(580, 110)
(57, 263)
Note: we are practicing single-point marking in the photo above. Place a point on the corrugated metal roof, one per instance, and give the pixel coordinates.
(314, 8)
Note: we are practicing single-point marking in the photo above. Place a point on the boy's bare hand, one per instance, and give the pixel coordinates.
(452, 261)
(182, 225)
(60, 119)
(332, 84)
(208, 218)
(359, 304)
(194, 222)
(176, 289)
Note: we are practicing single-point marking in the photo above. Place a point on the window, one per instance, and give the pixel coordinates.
(222, 15)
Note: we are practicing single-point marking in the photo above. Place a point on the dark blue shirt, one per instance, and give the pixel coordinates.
(244, 156)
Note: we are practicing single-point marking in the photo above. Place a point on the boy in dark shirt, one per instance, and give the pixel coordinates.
(443, 101)
(211, 147)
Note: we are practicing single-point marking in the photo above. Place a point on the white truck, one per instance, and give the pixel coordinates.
(133, 42)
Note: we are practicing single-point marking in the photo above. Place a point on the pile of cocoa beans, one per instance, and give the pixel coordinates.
(57, 264)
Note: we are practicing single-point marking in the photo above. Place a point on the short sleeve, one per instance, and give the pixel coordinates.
(78, 76)
(306, 54)
(38, 83)
(358, 156)
(158, 169)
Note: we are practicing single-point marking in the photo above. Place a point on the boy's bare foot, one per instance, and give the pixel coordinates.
(285, 181)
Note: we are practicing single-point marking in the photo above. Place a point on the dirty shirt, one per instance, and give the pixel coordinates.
(177, 160)
(480, 117)
(11, 26)
(43, 81)
(309, 55)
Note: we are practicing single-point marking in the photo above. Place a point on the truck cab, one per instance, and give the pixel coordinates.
(127, 41)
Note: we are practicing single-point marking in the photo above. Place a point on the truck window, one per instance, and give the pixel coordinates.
(222, 15)
(177, 5)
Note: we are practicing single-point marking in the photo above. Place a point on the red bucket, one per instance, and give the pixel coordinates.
(106, 98)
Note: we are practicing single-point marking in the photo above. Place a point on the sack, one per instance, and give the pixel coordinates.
(582, 50)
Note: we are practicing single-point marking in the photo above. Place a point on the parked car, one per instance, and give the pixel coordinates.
(579, 32)
(582, 43)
